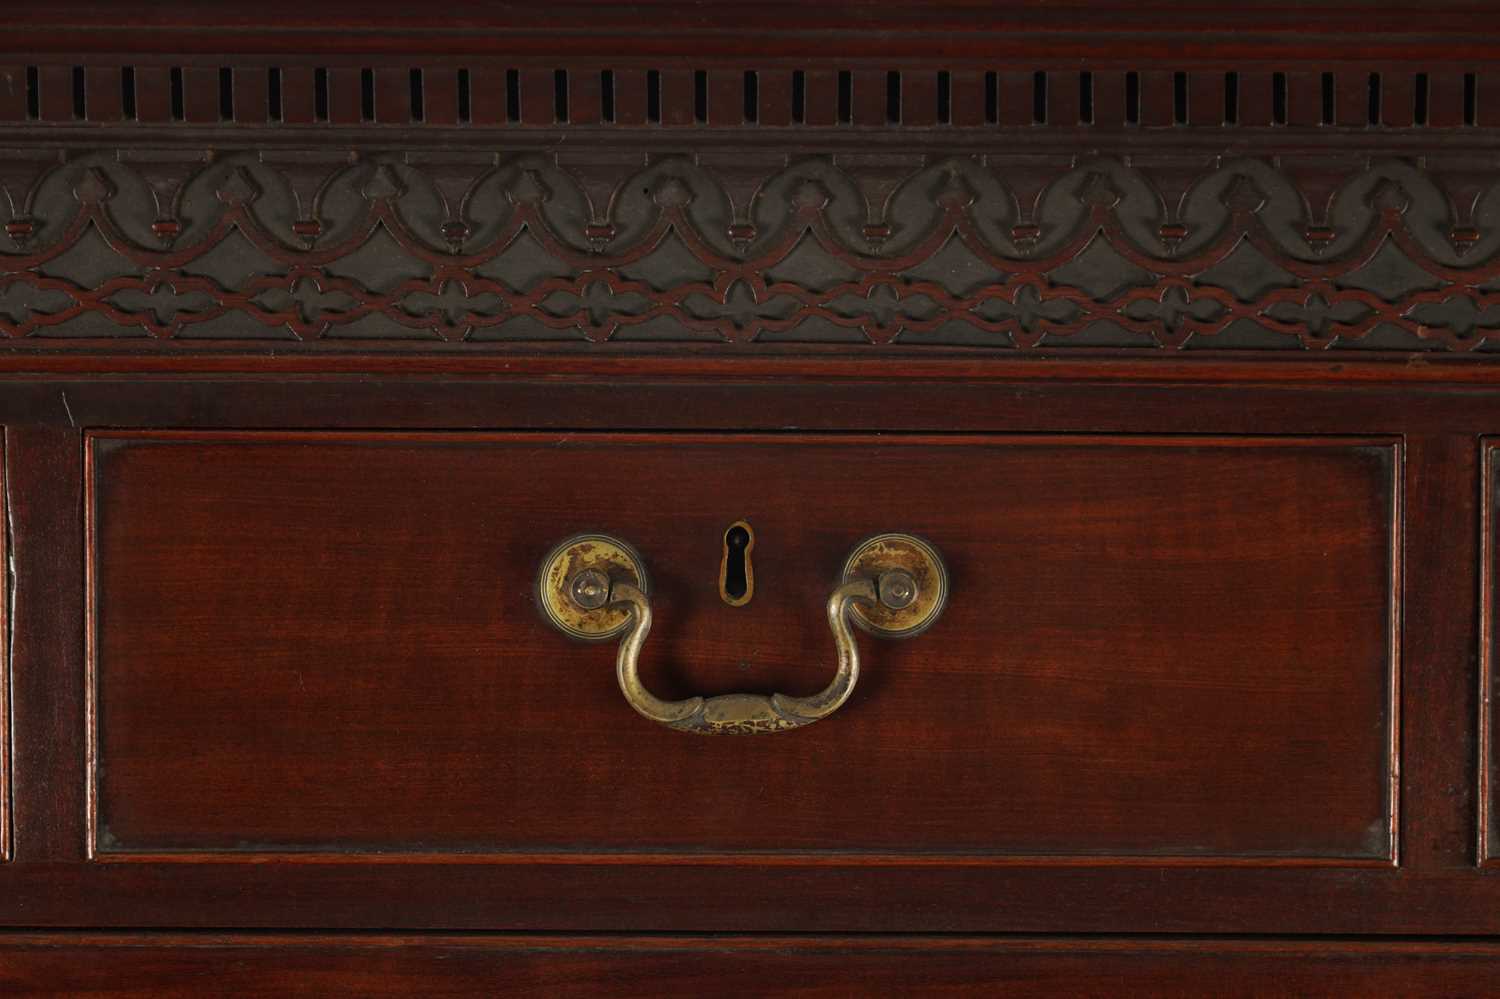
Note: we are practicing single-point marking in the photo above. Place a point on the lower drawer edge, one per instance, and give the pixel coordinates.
(184, 964)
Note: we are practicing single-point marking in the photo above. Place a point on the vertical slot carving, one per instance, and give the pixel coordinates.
(226, 93)
(127, 92)
(320, 93)
(273, 93)
(179, 111)
(653, 96)
(416, 94)
(465, 109)
(80, 102)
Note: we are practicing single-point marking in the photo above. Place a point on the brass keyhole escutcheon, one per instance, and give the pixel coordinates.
(736, 571)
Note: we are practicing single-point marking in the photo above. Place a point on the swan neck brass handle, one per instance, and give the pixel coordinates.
(740, 714)
(595, 587)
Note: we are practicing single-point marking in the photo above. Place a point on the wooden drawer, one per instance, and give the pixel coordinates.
(1156, 648)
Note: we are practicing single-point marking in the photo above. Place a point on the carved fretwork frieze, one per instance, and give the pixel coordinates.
(1004, 251)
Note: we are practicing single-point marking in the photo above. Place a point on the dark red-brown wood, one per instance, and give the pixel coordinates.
(1156, 647)
(1436, 889)
(1488, 792)
(553, 967)
(1331, 527)
(1168, 34)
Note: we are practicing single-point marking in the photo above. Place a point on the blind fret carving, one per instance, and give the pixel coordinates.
(861, 249)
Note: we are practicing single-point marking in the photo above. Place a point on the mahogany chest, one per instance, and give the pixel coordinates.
(703, 498)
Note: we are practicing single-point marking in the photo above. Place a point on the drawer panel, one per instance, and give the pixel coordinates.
(1158, 647)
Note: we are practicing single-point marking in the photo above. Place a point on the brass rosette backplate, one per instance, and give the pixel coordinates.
(899, 553)
(611, 556)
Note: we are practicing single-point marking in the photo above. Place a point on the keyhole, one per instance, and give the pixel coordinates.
(736, 575)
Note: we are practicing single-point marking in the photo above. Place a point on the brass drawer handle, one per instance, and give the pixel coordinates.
(595, 587)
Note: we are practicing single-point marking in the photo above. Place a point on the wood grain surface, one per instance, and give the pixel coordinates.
(1210, 712)
(1155, 646)
(1435, 888)
(178, 965)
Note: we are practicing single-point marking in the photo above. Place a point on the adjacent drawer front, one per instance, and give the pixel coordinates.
(1162, 647)
(1489, 677)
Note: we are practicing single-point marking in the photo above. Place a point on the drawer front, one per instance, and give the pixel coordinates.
(1154, 647)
